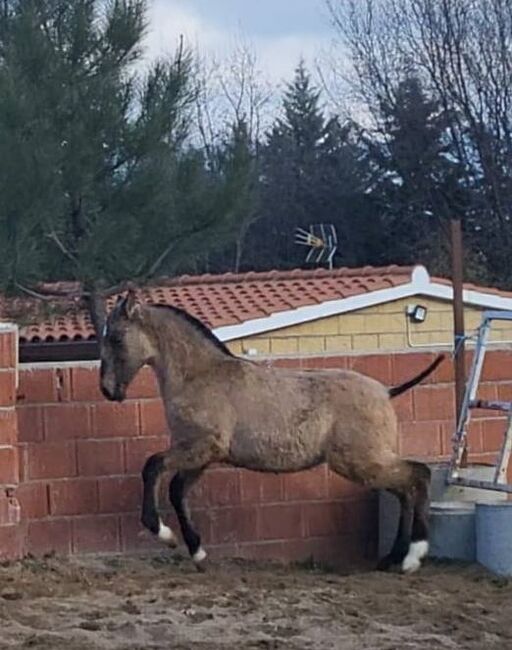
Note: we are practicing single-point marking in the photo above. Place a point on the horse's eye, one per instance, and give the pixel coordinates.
(116, 340)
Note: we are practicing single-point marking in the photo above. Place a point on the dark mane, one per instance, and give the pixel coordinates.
(198, 325)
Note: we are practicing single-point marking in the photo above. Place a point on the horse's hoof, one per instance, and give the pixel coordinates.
(200, 560)
(166, 536)
(412, 561)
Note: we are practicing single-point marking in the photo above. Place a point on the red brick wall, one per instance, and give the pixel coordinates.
(10, 531)
(80, 459)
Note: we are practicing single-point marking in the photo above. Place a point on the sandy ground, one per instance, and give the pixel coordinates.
(155, 602)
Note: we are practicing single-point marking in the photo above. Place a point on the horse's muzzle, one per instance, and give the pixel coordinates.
(116, 395)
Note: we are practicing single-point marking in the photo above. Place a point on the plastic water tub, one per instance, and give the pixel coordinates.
(493, 524)
(452, 530)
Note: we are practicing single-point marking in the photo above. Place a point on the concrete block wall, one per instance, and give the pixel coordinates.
(79, 462)
(381, 327)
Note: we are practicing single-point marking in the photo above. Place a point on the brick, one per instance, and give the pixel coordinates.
(434, 400)
(23, 462)
(7, 387)
(321, 519)
(202, 522)
(288, 345)
(152, 418)
(67, 421)
(49, 536)
(269, 550)
(238, 524)
(223, 486)
(505, 391)
(336, 362)
(30, 423)
(100, 457)
(493, 432)
(74, 497)
(138, 450)
(341, 488)
(7, 349)
(9, 465)
(486, 391)
(115, 420)
(497, 365)
(474, 437)
(98, 534)
(311, 344)
(403, 406)
(365, 342)
(144, 386)
(286, 363)
(11, 543)
(44, 385)
(280, 521)
(134, 537)
(376, 366)
(306, 486)
(420, 440)
(51, 460)
(406, 366)
(85, 384)
(10, 511)
(339, 343)
(120, 494)
(33, 498)
(8, 426)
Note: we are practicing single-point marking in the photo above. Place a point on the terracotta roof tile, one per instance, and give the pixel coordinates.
(228, 299)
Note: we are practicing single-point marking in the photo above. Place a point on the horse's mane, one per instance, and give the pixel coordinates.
(197, 325)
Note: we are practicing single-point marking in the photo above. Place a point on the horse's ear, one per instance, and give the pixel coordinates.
(131, 304)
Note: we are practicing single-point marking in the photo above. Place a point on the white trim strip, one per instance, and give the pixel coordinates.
(420, 285)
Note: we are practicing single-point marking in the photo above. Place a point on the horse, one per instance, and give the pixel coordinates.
(226, 409)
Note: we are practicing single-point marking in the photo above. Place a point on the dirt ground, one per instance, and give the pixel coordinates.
(149, 603)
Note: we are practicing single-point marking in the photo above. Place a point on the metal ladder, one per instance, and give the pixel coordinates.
(470, 401)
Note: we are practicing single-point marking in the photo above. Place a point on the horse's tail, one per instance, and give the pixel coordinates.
(398, 390)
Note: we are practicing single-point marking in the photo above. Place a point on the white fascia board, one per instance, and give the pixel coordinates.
(469, 296)
(291, 317)
(420, 285)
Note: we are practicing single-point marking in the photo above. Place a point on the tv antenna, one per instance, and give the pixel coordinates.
(322, 241)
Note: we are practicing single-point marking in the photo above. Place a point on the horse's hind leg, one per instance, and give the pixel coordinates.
(402, 541)
(178, 488)
(411, 543)
(419, 538)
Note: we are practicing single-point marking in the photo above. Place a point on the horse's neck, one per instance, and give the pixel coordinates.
(183, 353)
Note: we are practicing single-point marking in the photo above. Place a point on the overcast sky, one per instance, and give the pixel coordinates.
(280, 31)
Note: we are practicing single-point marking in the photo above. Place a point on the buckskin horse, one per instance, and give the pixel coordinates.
(222, 408)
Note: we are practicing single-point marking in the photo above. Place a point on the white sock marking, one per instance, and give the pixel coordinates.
(199, 555)
(412, 561)
(166, 535)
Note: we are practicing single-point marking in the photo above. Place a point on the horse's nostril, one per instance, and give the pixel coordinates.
(106, 392)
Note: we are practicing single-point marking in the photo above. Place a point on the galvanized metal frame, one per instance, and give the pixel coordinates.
(499, 482)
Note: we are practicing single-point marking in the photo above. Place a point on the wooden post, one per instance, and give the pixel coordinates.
(458, 320)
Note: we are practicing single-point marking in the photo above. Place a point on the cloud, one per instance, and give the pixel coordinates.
(278, 54)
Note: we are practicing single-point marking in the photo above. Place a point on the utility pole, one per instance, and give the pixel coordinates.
(458, 320)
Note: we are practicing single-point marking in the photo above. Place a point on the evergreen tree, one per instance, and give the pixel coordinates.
(101, 185)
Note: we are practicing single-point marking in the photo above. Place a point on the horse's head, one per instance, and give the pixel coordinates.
(125, 347)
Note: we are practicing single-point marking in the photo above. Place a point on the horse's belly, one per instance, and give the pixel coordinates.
(275, 452)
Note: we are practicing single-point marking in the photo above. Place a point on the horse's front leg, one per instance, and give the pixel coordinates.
(178, 489)
(187, 458)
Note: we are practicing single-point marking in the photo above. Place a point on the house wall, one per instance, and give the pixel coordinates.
(382, 327)
(80, 459)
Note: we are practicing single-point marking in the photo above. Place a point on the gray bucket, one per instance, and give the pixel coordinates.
(494, 536)
(452, 531)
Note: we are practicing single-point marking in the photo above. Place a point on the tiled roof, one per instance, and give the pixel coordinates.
(229, 299)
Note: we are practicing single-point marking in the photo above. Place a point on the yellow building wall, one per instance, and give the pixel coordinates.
(383, 327)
